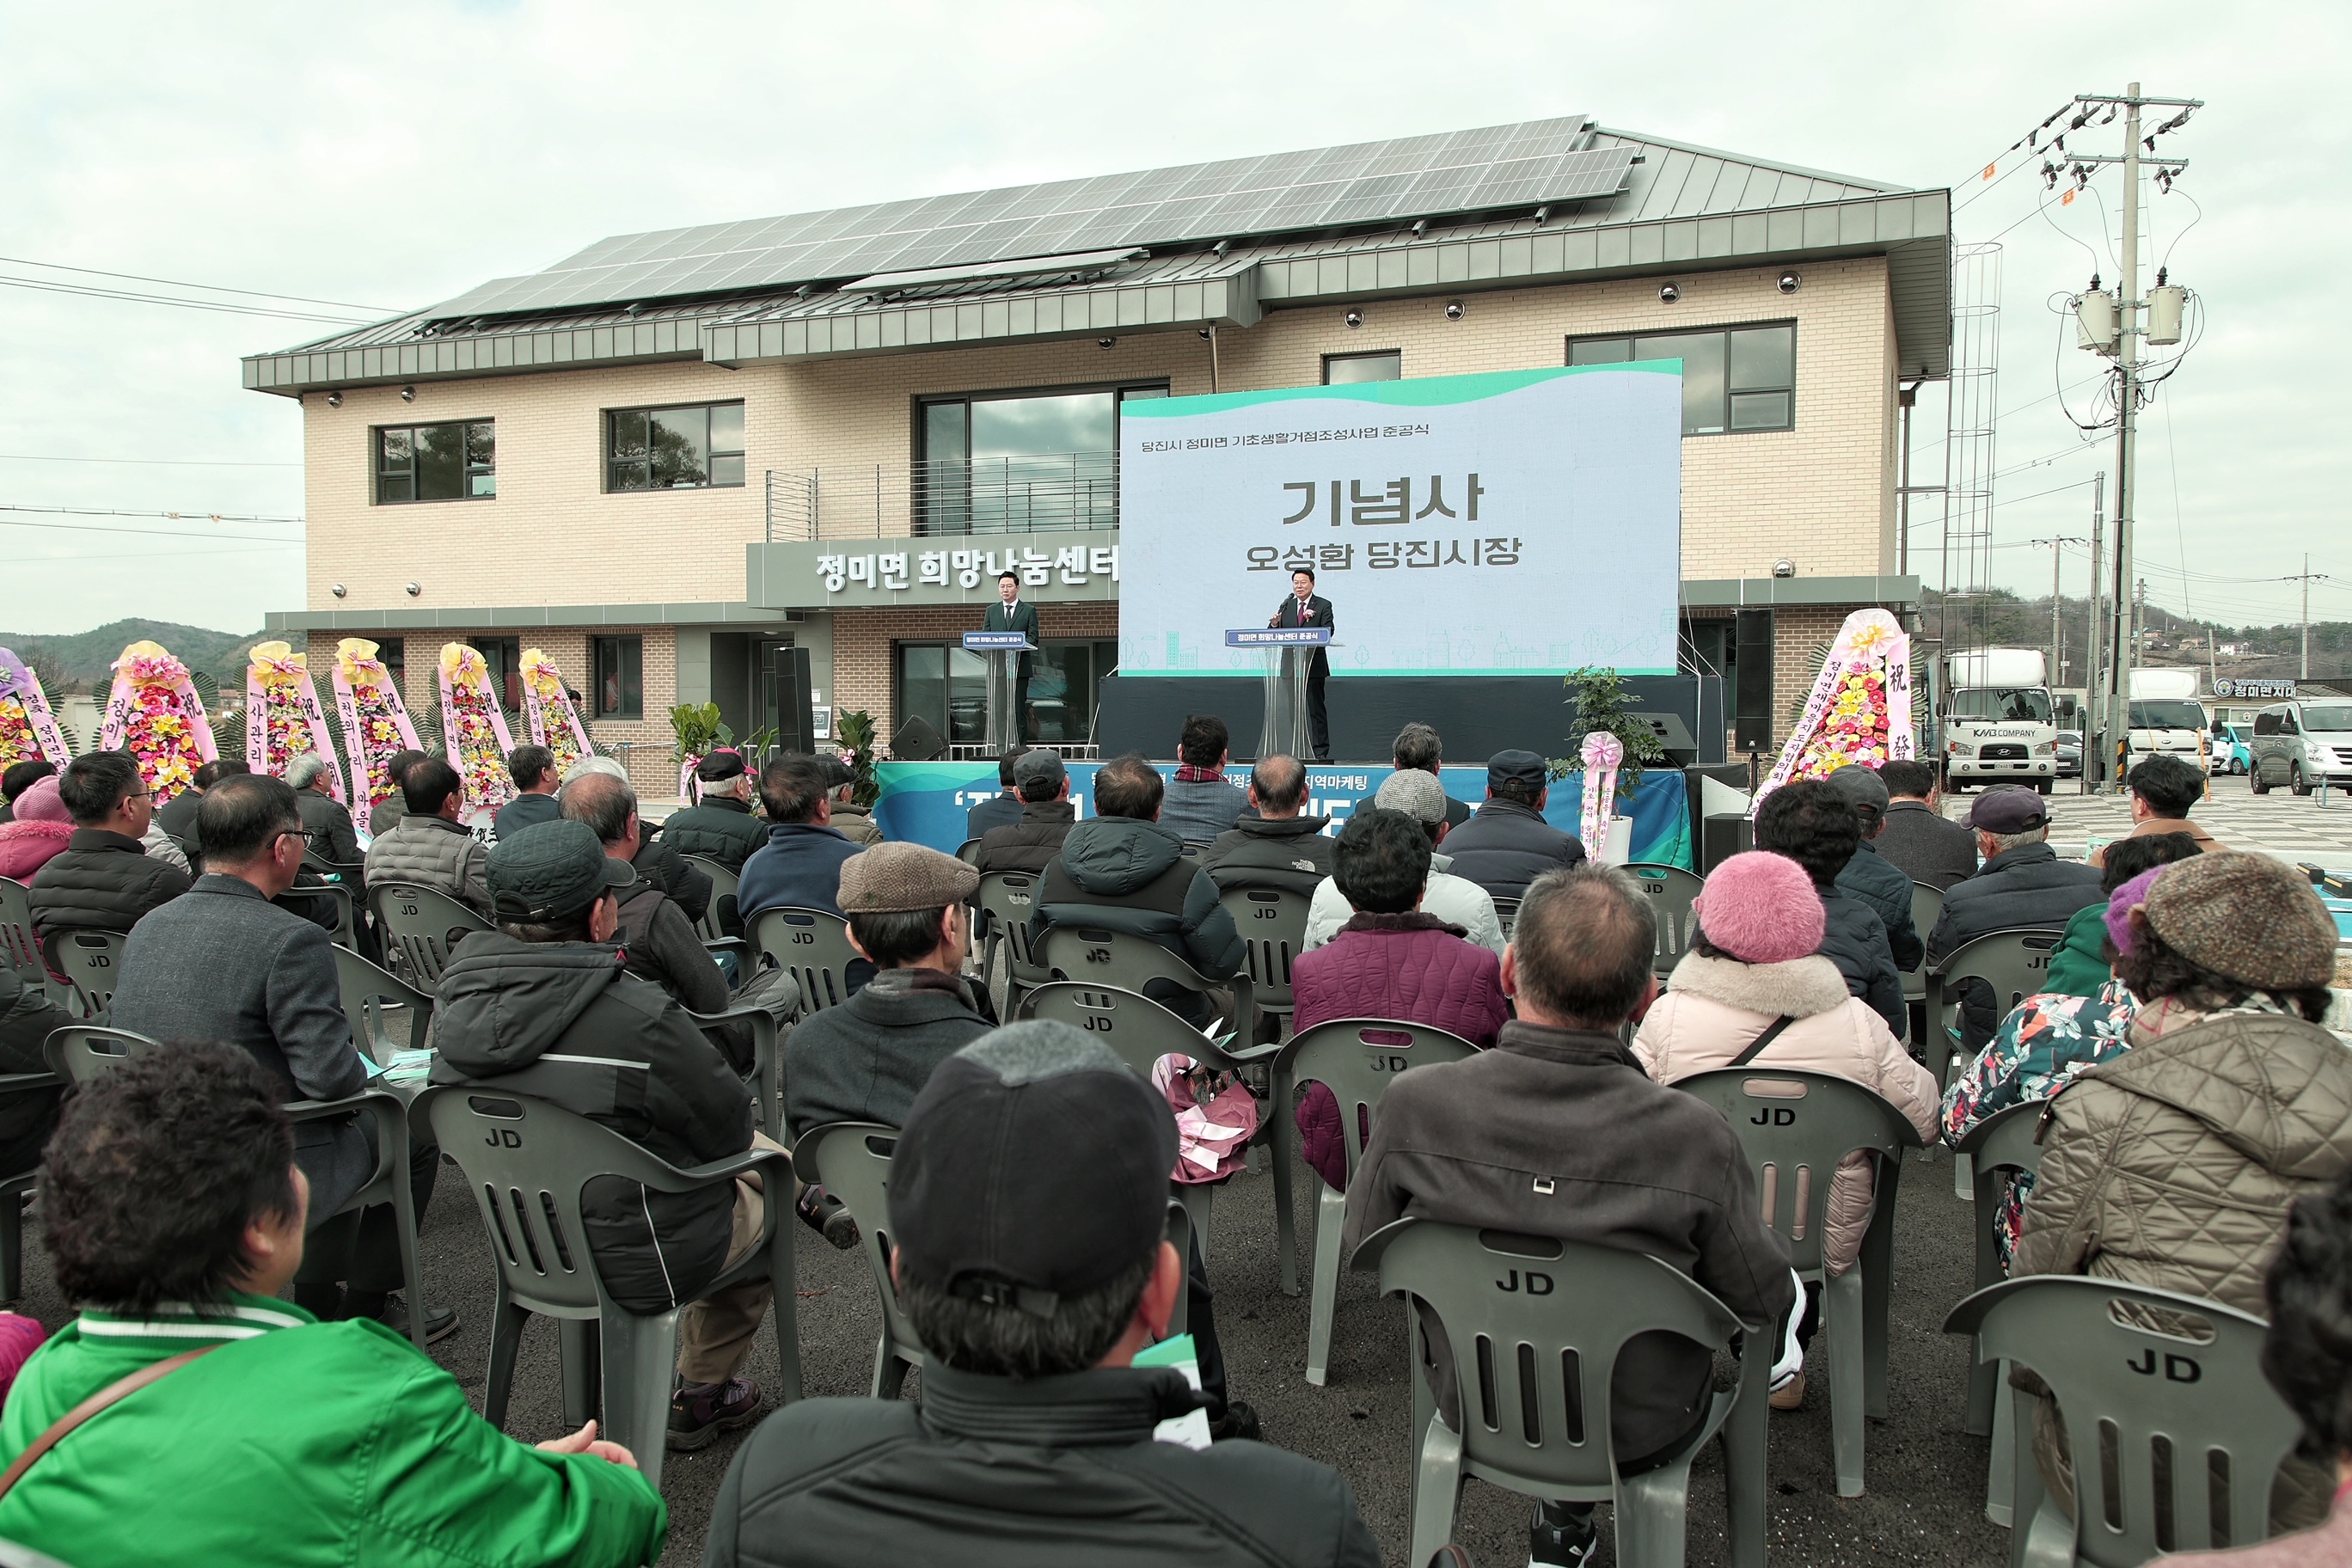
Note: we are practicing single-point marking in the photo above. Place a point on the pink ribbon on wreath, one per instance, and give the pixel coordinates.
(18, 682)
(1601, 752)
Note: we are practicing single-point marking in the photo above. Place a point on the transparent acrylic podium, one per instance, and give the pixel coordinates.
(1003, 652)
(1289, 654)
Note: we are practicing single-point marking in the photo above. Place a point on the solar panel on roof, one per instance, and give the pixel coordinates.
(1418, 176)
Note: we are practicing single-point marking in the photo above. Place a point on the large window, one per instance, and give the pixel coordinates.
(1735, 379)
(436, 462)
(1009, 462)
(620, 665)
(1385, 364)
(949, 687)
(685, 449)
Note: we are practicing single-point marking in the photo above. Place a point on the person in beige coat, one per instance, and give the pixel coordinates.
(1752, 963)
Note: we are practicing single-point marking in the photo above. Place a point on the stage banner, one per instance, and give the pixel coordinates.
(1519, 523)
(925, 803)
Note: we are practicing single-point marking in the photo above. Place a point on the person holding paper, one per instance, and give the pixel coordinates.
(1305, 608)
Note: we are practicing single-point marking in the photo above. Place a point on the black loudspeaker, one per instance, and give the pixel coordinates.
(918, 740)
(785, 681)
(1721, 838)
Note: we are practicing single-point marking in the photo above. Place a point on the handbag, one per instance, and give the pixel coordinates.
(119, 1389)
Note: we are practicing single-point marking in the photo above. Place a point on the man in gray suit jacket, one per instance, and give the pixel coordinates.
(1009, 615)
(222, 963)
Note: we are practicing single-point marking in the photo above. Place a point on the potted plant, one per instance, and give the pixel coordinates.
(1608, 743)
(856, 732)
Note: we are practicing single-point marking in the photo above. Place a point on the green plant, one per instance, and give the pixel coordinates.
(1600, 697)
(697, 728)
(857, 736)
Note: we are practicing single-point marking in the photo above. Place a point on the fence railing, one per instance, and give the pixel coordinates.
(1073, 490)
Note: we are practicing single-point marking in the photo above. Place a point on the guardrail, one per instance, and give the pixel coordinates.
(1072, 490)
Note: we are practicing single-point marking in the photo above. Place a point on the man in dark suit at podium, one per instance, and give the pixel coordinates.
(1305, 608)
(1009, 615)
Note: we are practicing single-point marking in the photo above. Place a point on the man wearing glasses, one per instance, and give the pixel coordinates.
(224, 964)
(104, 879)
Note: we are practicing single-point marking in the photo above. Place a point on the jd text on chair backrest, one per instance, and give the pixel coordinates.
(1534, 1326)
(2015, 963)
(1795, 1127)
(810, 945)
(527, 1162)
(1272, 926)
(419, 927)
(1132, 963)
(91, 961)
(1356, 1059)
(1671, 890)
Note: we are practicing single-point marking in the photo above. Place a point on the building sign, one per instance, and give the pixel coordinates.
(835, 573)
(1511, 523)
(2255, 690)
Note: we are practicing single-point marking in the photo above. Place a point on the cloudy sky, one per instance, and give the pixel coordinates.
(391, 155)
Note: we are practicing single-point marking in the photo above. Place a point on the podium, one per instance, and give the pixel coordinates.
(1289, 654)
(1003, 652)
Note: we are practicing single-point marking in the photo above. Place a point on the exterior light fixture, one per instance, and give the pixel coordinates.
(1354, 319)
(1105, 342)
(1453, 310)
(414, 589)
(1790, 282)
(338, 589)
(334, 400)
(1668, 293)
(1784, 567)
(408, 394)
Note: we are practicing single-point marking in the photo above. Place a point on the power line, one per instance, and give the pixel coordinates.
(149, 462)
(137, 299)
(112, 512)
(148, 533)
(207, 288)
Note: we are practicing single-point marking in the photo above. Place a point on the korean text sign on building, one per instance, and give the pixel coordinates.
(1519, 523)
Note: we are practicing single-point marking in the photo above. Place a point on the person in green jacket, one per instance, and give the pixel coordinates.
(174, 1215)
(2080, 967)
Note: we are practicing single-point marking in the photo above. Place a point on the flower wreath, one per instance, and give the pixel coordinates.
(1860, 710)
(554, 723)
(27, 728)
(282, 718)
(474, 730)
(153, 712)
(375, 721)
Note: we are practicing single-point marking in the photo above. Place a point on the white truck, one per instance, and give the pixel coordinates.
(1998, 725)
(2166, 717)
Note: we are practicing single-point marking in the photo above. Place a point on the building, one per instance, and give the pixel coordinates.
(672, 457)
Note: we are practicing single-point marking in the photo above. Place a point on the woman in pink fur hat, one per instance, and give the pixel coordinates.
(39, 831)
(1752, 962)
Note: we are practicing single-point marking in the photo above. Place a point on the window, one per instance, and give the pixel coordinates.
(2002, 704)
(620, 664)
(1342, 370)
(998, 463)
(436, 462)
(1734, 380)
(695, 448)
(393, 652)
(944, 684)
(502, 664)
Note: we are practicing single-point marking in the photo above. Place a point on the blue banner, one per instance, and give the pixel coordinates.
(926, 803)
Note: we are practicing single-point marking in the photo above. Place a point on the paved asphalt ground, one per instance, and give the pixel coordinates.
(1924, 1500)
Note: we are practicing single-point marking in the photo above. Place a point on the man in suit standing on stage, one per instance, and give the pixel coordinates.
(1305, 608)
(1009, 615)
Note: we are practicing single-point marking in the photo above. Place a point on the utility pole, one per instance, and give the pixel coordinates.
(2095, 749)
(2128, 328)
(2307, 615)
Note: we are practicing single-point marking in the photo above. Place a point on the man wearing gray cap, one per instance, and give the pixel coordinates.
(2023, 883)
(1454, 899)
(1031, 842)
(1028, 1214)
(1869, 876)
(1508, 844)
(541, 1006)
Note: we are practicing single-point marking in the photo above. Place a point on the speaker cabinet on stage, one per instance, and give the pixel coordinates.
(1721, 838)
(1713, 779)
(918, 740)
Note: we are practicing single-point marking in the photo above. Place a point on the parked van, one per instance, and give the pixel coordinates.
(2301, 745)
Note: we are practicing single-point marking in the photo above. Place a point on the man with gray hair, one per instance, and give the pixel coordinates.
(326, 825)
(657, 942)
(1454, 899)
(656, 861)
(1032, 1282)
(1558, 1132)
(1419, 747)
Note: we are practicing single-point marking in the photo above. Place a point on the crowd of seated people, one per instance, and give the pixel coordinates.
(2196, 1136)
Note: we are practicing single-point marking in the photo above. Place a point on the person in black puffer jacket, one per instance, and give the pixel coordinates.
(1046, 817)
(1869, 876)
(1508, 844)
(1810, 822)
(2022, 884)
(103, 880)
(542, 1006)
(722, 827)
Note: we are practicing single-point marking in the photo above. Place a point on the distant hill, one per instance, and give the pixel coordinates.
(85, 656)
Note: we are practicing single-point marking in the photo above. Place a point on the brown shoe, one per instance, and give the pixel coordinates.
(1790, 1395)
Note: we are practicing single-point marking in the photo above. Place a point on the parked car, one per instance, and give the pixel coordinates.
(2301, 745)
(2230, 753)
(2070, 754)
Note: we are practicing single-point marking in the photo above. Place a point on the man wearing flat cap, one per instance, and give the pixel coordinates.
(1508, 844)
(1028, 1211)
(542, 1006)
(867, 1058)
(2022, 884)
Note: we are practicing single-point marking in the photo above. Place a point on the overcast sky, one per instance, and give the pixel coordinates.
(394, 155)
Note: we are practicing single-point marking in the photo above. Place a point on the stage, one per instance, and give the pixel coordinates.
(925, 803)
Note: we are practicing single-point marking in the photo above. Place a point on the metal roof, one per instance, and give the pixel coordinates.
(1670, 206)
